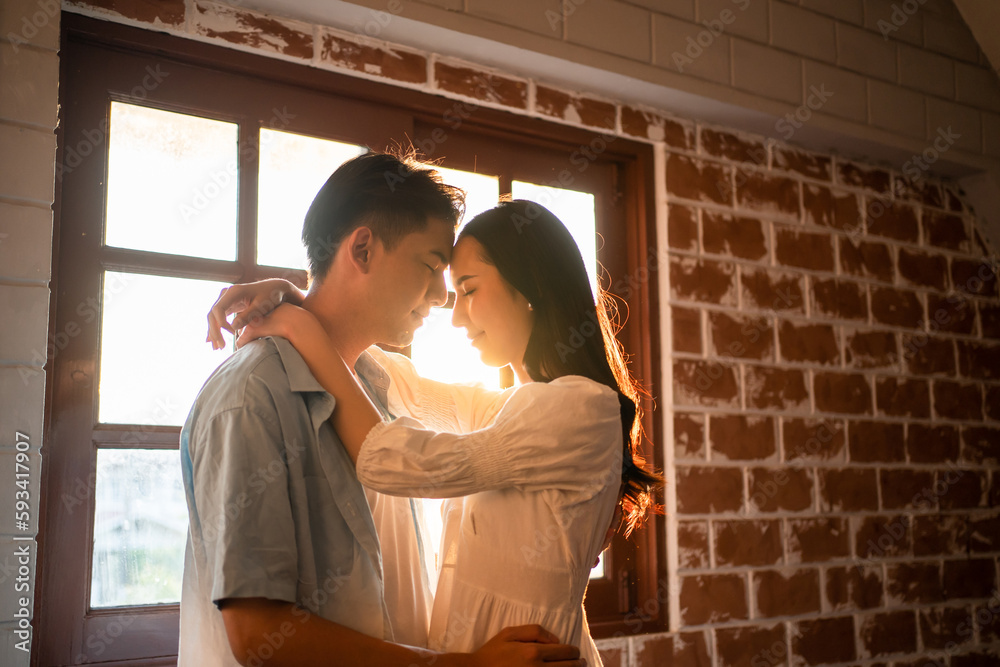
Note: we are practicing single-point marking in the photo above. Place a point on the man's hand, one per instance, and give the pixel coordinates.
(526, 645)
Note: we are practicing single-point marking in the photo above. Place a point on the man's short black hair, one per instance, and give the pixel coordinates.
(393, 196)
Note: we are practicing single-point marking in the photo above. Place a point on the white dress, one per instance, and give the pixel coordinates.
(532, 474)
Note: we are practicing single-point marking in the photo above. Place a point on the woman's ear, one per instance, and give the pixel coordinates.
(360, 246)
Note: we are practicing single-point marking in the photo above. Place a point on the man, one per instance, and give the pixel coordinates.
(283, 564)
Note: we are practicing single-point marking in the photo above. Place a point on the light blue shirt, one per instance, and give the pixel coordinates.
(276, 510)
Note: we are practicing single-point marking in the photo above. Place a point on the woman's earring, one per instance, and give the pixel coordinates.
(530, 308)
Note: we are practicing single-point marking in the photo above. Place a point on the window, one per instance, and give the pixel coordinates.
(167, 193)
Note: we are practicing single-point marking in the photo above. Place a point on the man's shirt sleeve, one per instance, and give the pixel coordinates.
(240, 480)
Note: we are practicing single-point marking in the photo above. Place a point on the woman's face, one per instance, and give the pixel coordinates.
(496, 317)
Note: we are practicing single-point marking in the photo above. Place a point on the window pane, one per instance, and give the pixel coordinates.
(154, 357)
(575, 209)
(293, 168)
(171, 183)
(140, 527)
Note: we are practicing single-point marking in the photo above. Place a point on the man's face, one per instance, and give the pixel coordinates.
(407, 281)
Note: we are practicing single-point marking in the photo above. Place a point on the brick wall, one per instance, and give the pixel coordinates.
(833, 442)
(836, 373)
(29, 79)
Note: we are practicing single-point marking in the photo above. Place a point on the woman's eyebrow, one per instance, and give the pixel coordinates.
(458, 283)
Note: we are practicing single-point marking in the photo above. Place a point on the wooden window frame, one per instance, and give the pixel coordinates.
(102, 61)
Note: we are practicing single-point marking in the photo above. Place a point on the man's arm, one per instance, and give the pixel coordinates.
(279, 633)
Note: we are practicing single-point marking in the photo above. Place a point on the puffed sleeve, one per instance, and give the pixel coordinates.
(442, 406)
(565, 434)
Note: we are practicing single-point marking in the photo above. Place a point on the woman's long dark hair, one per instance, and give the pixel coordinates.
(537, 256)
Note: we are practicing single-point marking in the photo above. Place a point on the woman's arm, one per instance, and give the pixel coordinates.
(353, 415)
(250, 301)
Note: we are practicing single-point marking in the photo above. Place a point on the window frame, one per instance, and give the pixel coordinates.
(382, 113)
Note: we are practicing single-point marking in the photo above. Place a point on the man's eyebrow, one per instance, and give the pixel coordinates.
(458, 283)
(440, 255)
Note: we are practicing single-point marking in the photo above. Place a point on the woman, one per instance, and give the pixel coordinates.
(536, 472)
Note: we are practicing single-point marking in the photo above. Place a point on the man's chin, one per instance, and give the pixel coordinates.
(398, 339)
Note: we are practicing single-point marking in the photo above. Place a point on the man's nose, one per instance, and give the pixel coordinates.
(437, 292)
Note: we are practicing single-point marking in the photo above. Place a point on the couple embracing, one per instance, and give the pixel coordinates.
(321, 561)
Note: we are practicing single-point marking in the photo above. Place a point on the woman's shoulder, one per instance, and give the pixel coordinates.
(573, 393)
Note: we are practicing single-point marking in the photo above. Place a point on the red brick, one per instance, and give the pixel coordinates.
(993, 402)
(921, 191)
(984, 535)
(929, 355)
(923, 269)
(871, 349)
(944, 230)
(786, 593)
(685, 648)
(979, 360)
(866, 259)
(689, 435)
(774, 195)
(703, 280)
(682, 227)
(988, 621)
(831, 208)
(651, 125)
(901, 397)
(901, 308)
(731, 147)
(855, 587)
(847, 393)
(815, 540)
(803, 250)
(980, 658)
(692, 544)
(906, 489)
(686, 324)
(913, 583)
(953, 201)
(777, 489)
(813, 165)
(699, 180)
(871, 442)
(969, 578)
(954, 400)
(741, 336)
(839, 299)
(481, 85)
(247, 28)
(775, 388)
(772, 291)
(950, 314)
(825, 640)
(981, 444)
(931, 444)
(974, 277)
(939, 534)
(882, 537)
(729, 235)
(942, 628)
(877, 180)
(848, 489)
(366, 57)
(961, 489)
(751, 646)
(894, 220)
(813, 439)
(809, 343)
(747, 543)
(563, 105)
(989, 319)
(713, 598)
(741, 437)
(704, 490)
(167, 12)
(892, 632)
(705, 383)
